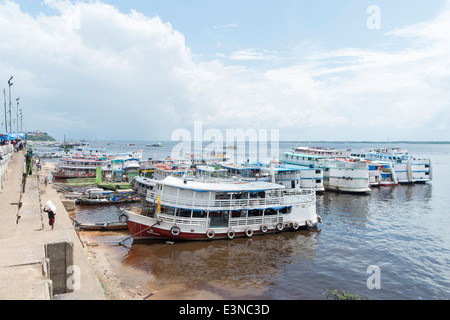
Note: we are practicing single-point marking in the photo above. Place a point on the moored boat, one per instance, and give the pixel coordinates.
(408, 169)
(97, 196)
(186, 209)
(291, 176)
(339, 172)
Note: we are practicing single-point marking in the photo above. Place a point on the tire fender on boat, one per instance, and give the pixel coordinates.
(309, 223)
(264, 228)
(123, 217)
(280, 226)
(210, 233)
(295, 225)
(249, 232)
(175, 231)
(231, 234)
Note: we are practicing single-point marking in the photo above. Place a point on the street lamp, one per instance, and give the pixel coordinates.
(17, 113)
(10, 84)
(21, 120)
(6, 117)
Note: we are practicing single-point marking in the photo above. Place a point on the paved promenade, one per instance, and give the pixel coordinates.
(24, 263)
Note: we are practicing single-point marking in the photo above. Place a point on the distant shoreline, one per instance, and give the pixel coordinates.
(296, 141)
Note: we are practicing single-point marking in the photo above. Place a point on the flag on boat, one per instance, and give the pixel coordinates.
(159, 204)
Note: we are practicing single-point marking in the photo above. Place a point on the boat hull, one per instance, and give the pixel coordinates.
(146, 228)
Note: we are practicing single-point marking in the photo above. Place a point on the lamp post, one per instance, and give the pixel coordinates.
(6, 117)
(17, 114)
(10, 84)
(21, 120)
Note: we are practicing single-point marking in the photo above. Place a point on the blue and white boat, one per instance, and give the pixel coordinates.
(340, 173)
(408, 169)
(290, 176)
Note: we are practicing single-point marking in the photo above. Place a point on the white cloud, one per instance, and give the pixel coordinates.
(90, 70)
(249, 54)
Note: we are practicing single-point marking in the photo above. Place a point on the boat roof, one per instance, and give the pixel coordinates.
(307, 155)
(238, 186)
(264, 167)
(211, 169)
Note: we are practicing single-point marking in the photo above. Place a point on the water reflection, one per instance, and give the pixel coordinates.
(238, 269)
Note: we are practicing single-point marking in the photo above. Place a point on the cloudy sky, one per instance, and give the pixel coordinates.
(314, 70)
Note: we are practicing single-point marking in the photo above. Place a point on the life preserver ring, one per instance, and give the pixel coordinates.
(210, 233)
(295, 225)
(309, 223)
(76, 174)
(280, 226)
(90, 174)
(263, 228)
(175, 231)
(249, 232)
(231, 234)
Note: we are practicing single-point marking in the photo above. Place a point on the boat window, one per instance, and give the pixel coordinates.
(318, 180)
(218, 218)
(198, 214)
(255, 213)
(184, 213)
(222, 196)
(317, 171)
(168, 210)
(270, 212)
(286, 210)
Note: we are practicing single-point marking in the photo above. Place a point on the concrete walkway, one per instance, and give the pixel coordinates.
(25, 267)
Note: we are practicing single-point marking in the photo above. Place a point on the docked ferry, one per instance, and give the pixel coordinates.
(339, 172)
(186, 209)
(74, 167)
(408, 169)
(292, 177)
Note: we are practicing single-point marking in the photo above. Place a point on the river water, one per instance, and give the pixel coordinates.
(393, 243)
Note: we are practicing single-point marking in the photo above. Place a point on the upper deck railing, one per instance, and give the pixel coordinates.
(286, 198)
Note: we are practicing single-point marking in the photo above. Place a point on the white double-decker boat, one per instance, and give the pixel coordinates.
(408, 169)
(177, 208)
(339, 172)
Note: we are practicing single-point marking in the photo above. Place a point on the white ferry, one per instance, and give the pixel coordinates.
(85, 167)
(381, 174)
(184, 209)
(339, 172)
(408, 169)
(292, 177)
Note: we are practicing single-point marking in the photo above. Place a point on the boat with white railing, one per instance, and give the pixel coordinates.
(186, 209)
(292, 177)
(85, 167)
(340, 173)
(408, 169)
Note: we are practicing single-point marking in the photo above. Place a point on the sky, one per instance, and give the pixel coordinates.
(313, 70)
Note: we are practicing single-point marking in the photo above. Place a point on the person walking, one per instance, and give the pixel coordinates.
(50, 208)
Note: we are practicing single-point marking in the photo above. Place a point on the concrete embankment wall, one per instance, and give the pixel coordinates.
(6, 153)
(38, 263)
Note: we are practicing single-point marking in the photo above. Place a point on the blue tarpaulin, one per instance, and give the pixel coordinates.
(12, 136)
(21, 135)
(4, 136)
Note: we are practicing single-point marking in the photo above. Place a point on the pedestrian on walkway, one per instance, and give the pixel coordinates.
(51, 214)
